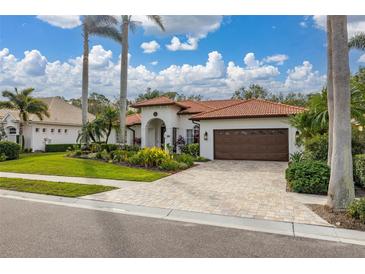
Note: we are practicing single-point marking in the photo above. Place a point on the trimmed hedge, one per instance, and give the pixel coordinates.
(11, 150)
(308, 176)
(359, 169)
(58, 147)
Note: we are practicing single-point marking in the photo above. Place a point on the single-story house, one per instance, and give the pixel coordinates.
(61, 127)
(226, 129)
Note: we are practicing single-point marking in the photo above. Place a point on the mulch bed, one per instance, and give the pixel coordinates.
(338, 219)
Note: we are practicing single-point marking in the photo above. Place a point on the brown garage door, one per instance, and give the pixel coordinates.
(251, 144)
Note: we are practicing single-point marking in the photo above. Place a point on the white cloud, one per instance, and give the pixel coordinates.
(279, 59)
(355, 23)
(61, 21)
(212, 79)
(362, 59)
(303, 24)
(150, 47)
(154, 63)
(175, 44)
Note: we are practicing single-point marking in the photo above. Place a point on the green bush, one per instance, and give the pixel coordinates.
(172, 165)
(134, 148)
(316, 148)
(184, 158)
(120, 155)
(10, 150)
(109, 147)
(92, 155)
(58, 147)
(134, 160)
(152, 157)
(308, 176)
(296, 156)
(191, 149)
(357, 209)
(359, 169)
(105, 155)
(74, 153)
(201, 159)
(2, 157)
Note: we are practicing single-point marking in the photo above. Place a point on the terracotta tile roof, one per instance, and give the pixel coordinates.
(194, 107)
(220, 103)
(60, 112)
(134, 119)
(250, 108)
(158, 101)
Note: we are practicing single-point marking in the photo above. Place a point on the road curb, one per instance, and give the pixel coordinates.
(258, 225)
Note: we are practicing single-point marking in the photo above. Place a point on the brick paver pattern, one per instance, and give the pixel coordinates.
(238, 188)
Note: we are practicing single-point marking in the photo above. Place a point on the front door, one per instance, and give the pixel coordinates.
(163, 130)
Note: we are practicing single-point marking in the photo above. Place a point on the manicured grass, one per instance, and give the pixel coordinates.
(59, 164)
(52, 188)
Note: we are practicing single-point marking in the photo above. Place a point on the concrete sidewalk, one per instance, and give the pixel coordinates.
(276, 227)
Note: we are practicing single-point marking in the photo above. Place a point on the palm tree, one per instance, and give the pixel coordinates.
(100, 25)
(341, 186)
(127, 24)
(109, 117)
(23, 102)
(329, 91)
(358, 41)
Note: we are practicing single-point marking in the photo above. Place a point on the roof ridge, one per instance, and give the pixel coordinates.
(217, 109)
(200, 103)
(279, 103)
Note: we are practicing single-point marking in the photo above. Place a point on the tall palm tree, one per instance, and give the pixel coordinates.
(100, 25)
(23, 102)
(358, 41)
(341, 187)
(128, 23)
(329, 91)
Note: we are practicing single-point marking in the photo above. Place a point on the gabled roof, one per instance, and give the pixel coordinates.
(158, 101)
(250, 109)
(60, 112)
(133, 119)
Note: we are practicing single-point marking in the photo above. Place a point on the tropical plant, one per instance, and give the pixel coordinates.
(358, 41)
(93, 130)
(25, 104)
(2, 133)
(100, 25)
(341, 186)
(128, 23)
(109, 119)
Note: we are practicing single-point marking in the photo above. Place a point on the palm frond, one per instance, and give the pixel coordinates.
(157, 20)
(6, 104)
(107, 32)
(358, 41)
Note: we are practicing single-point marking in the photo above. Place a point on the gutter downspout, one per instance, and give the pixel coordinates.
(134, 134)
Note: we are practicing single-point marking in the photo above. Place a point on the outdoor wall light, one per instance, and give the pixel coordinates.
(205, 136)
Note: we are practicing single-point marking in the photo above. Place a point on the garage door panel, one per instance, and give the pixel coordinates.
(251, 144)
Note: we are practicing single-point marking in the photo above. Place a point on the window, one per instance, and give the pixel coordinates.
(59, 130)
(52, 130)
(189, 136)
(44, 130)
(196, 134)
(66, 130)
(12, 130)
(37, 129)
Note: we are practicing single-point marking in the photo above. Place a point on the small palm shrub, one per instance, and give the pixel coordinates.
(308, 176)
(184, 158)
(359, 169)
(11, 150)
(357, 209)
(296, 156)
(172, 165)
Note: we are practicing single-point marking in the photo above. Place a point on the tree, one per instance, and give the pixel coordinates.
(330, 102)
(97, 103)
(109, 117)
(341, 186)
(254, 91)
(358, 41)
(127, 24)
(100, 25)
(23, 102)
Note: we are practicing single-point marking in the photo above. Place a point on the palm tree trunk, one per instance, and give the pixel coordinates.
(123, 78)
(21, 124)
(329, 90)
(85, 80)
(341, 186)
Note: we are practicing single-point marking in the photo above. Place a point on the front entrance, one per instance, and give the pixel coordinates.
(155, 133)
(251, 144)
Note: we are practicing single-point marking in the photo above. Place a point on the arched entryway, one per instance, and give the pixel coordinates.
(155, 133)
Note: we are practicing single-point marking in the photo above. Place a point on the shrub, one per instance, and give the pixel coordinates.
(95, 147)
(184, 158)
(2, 157)
(119, 155)
(27, 150)
(296, 156)
(105, 155)
(308, 176)
(357, 209)
(201, 159)
(109, 147)
(191, 149)
(11, 150)
(172, 165)
(58, 147)
(316, 148)
(134, 160)
(134, 148)
(74, 153)
(154, 156)
(92, 155)
(359, 169)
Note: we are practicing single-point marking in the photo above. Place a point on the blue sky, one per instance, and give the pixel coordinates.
(282, 53)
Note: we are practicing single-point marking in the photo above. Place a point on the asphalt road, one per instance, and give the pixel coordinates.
(31, 229)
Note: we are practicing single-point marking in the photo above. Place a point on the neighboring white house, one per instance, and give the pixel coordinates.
(226, 129)
(62, 127)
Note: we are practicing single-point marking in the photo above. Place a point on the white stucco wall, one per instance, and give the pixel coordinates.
(207, 146)
(137, 129)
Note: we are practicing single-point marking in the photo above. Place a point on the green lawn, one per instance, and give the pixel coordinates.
(59, 164)
(52, 188)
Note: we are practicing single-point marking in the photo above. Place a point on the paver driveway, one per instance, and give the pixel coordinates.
(239, 188)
